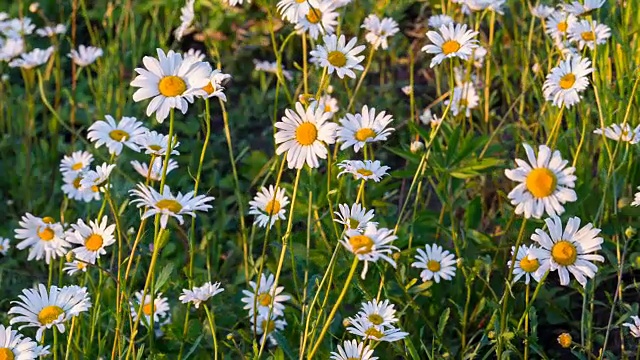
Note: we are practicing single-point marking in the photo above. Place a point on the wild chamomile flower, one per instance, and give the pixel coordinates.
(568, 251)
(235, 2)
(93, 238)
(355, 217)
(157, 306)
(451, 40)
(303, 134)
(200, 294)
(170, 80)
(589, 33)
(363, 170)
(634, 326)
(76, 162)
(114, 135)
(366, 127)
(74, 267)
(214, 88)
(97, 179)
(85, 55)
(465, 98)
(4, 246)
(622, 132)
(266, 325)
(436, 21)
(526, 263)
(378, 313)
(542, 11)
(272, 67)
(269, 205)
(378, 31)
(187, 15)
(32, 59)
(292, 10)
(339, 56)
(577, 8)
(260, 299)
(558, 23)
(14, 345)
(11, 48)
(43, 236)
(371, 245)
(566, 81)
(636, 200)
(428, 118)
(327, 103)
(436, 262)
(361, 326)
(353, 349)
(72, 188)
(320, 19)
(49, 31)
(194, 54)
(45, 309)
(156, 168)
(480, 5)
(18, 27)
(546, 183)
(156, 144)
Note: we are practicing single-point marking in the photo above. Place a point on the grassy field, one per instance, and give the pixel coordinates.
(320, 201)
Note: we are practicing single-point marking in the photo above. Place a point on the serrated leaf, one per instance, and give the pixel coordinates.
(442, 322)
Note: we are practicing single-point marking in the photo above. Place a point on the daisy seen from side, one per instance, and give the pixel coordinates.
(355, 217)
(633, 326)
(379, 30)
(85, 55)
(156, 144)
(32, 59)
(366, 127)
(98, 179)
(361, 326)
(156, 168)
(622, 132)
(363, 170)
(156, 306)
(371, 245)
(200, 294)
(352, 349)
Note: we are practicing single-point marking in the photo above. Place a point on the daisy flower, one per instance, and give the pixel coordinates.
(75, 266)
(157, 307)
(167, 205)
(558, 23)
(85, 55)
(43, 236)
(11, 48)
(269, 206)
(338, 57)
(266, 325)
(93, 238)
(97, 179)
(17, 28)
(327, 103)
(272, 67)
(480, 5)
(201, 294)
(170, 80)
(542, 11)
(186, 18)
(428, 118)
(355, 217)
(436, 262)
(380, 314)
(72, 188)
(371, 245)
(589, 33)
(156, 168)
(303, 134)
(292, 10)
(545, 183)
(14, 345)
(194, 54)
(32, 59)
(260, 299)
(361, 326)
(566, 81)
(114, 136)
(634, 326)
(379, 30)
(366, 127)
(235, 2)
(4, 246)
(214, 87)
(465, 98)
(577, 8)
(568, 251)
(436, 21)
(320, 19)
(636, 200)
(622, 132)
(353, 349)
(156, 144)
(451, 40)
(363, 170)
(526, 264)
(44, 309)
(49, 31)
(76, 162)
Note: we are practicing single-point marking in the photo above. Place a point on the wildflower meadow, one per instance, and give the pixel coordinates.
(319, 179)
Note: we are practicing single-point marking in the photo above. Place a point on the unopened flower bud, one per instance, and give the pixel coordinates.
(630, 232)
(417, 146)
(34, 7)
(565, 340)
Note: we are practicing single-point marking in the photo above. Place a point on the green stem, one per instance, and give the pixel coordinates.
(212, 325)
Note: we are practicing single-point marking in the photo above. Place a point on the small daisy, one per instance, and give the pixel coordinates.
(436, 262)
(49, 31)
(235, 2)
(465, 98)
(372, 245)
(269, 206)
(187, 15)
(355, 217)
(4, 246)
(156, 144)
(327, 103)
(566, 81)
(558, 23)
(546, 183)
(379, 30)
(634, 326)
(11, 48)
(589, 33)
(45, 309)
(622, 132)
(480, 5)
(93, 238)
(428, 118)
(338, 57)
(194, 54)
(303, 134)
(320, 19)
(451, 41)
(75, 266)
(76, 162)
(292, 10)
(264, 297)
(14, 345)
(363, 170)
(214, 87)
(32, 59)
(380, 314)
(158, 307)
(72, 188)
(436, 21)
(266, 325)
(17, 28)
(167, 205)
(156, 168)
(353, 349)
(577, 8)
(361, 326)
(43, 236)
(542, 11)
(170, 80)
(272, 67)
(201, 294)
(365, 127)
(636, 200)
(97, 179)
(85, 55)
(114, 136)
(526, 264)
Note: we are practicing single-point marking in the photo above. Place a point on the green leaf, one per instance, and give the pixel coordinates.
(473, 215)
(412, 349)
(164, 276)
(442, 322)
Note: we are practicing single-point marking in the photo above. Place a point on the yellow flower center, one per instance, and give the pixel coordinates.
(119, 135)
(171, 86)
(361, 244)
(155, 147)
(48, 220)
(564, 340)
(306, 133)
(433, 265)
(169, 204)
(300, 1)
(273, 207)
(46, 234)
(529, 265)
(76, 182)
(588, 36)
(209, 88)
(6, 354)
(268, 326)
(77, 166)
(562, 26)
(93, 242)
(149, 308)
(327, 108)
(49, 314)
(80, 265)
(353, 223)
(364, 172)
(364, 134)
(450, 46)
(541, 182)
(376, 319)
(94, 188)
(314, 16)
(564, 253)
(337, 58)
(567, 81)
(264, 299)
(372, 331)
